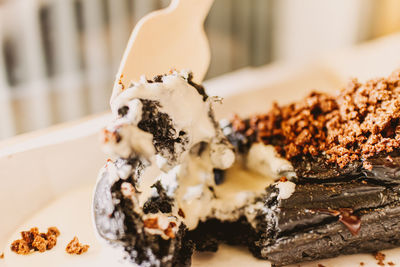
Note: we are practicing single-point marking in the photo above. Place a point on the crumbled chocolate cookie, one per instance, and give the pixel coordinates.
(32, 240)
(161, 203)
(160, 125)
(20, 246)
(53, 231)
(40, 243)
(74, 247)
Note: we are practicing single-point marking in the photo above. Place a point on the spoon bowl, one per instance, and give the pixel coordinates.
(171, 38)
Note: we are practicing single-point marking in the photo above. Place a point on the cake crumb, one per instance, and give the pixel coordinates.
(391, 263)
(39, 244)
(380, 257)
(20, 246)
(51, 242)
(2, 255)
(33, 240)
(320, 265)
(74, 247)
(362, 263)
(53, 231)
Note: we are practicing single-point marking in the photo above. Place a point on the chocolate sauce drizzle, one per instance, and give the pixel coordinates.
(346, 216)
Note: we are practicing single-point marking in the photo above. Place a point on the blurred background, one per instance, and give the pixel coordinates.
(58, 58)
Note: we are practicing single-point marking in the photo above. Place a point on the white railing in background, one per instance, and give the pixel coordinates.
(7, 127)
(58, 58)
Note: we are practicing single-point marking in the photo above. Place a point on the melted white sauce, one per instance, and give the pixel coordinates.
(265, 160)
(181, 101)
(187, 176)
(286, 189)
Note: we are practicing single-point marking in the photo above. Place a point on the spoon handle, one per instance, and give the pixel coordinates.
(195, 9)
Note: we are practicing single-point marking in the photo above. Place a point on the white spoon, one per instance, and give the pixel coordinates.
(171, 38)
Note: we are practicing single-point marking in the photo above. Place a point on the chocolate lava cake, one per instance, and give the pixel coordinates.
(310, 180)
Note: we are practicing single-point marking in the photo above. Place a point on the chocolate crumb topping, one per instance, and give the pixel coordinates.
(32, 240)
(74, 247)
(361, 122)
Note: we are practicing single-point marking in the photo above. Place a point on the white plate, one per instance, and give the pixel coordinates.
(43, 175)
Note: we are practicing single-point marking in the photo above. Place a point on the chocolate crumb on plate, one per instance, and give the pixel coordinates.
(21, 247)
(2, 256)
(40, 244)
(53, 231)
(391, 263)
(74, 247)
(321, 265)
(380, 257)
(362, 263)
(33, 240)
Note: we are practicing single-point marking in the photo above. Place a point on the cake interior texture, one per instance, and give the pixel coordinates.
(310, 180)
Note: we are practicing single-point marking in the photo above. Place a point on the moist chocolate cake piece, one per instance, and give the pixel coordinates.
(209, 234)
(317, 221)
(326, 220)
(122, 227)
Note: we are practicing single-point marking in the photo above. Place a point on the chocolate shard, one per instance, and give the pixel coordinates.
(326, 220)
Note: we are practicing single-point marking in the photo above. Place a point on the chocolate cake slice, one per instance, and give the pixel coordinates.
(310, 180)
(317, 221)
(326, 220)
